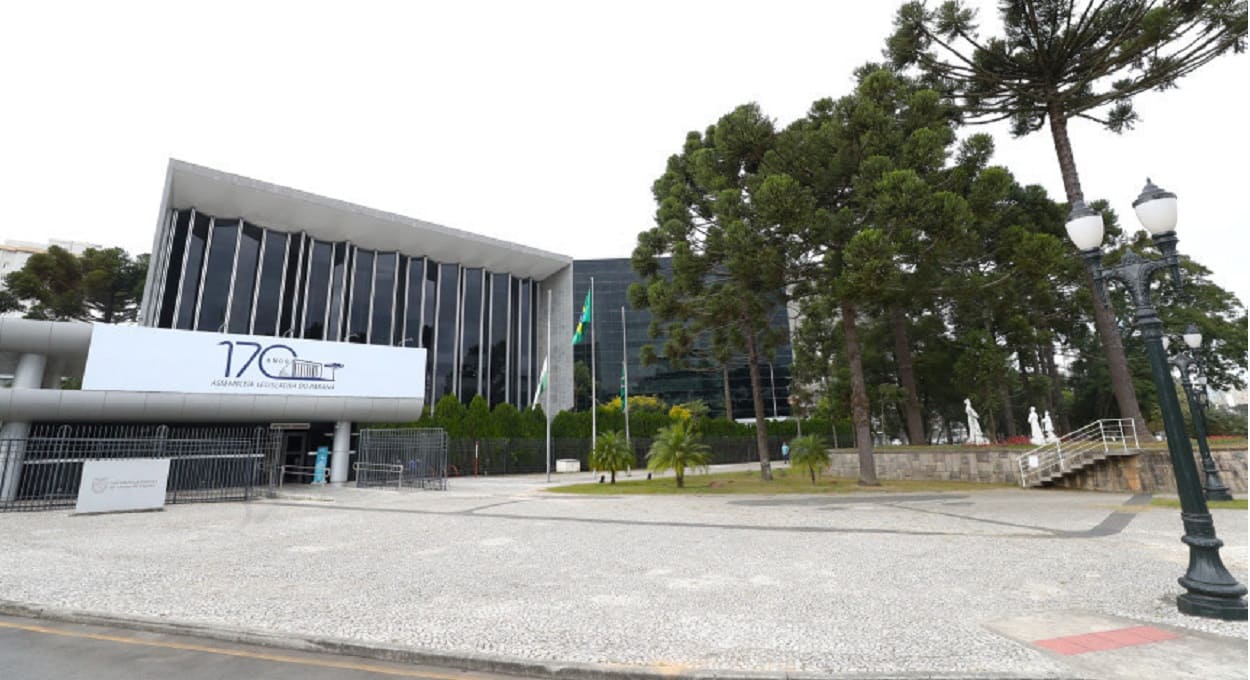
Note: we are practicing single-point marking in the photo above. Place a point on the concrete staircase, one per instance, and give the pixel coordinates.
(1078, 450)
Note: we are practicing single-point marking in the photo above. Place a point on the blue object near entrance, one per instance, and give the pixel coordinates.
(319, 472)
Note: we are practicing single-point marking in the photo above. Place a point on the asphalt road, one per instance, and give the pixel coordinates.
(31, 649)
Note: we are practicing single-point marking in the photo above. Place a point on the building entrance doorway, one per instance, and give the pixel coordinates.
(295, 465)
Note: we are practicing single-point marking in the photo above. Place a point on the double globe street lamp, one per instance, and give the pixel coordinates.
(1210, 590)
(1196, 394)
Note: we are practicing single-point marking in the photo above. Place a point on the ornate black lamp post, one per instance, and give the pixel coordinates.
(1211, 591)
(1185, 363)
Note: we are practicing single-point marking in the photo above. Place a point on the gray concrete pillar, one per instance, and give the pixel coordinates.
(29, 375)
(53, 372)
(341, 451)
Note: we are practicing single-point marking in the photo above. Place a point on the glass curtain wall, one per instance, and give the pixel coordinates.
(497, 364)
(222, 274)
(218, 271)
(361, 296)
(471, 336)
(380, 309)
(245, 264)
(445, 356)
(269, 284)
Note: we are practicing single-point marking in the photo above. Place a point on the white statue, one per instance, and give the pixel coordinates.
(1048, 429)
(1036, 438)
(974, 424)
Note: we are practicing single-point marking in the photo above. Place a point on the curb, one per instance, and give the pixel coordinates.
(469, 661)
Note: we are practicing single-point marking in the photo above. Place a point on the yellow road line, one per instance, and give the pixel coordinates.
(262, 656)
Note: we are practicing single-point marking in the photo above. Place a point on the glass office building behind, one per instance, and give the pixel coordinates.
(701, 379)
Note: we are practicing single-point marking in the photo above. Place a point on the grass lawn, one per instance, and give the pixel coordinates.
(748, 482)
(1235, 504)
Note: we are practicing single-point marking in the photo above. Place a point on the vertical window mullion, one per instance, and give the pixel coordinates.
(373, 275)
(167, 240)
(199, 294)
(234, 272)
(312, 246)
(260, 269)
(482, 368)
(507, 349)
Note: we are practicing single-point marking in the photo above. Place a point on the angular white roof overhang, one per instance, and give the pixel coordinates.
(222, 194)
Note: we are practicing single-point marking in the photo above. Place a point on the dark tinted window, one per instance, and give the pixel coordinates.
(412, 308)
(335, 327)
(272, 259)
(445, 333)
(471, 334)
(291, 320)
(430, 302)
(497, 339)
(522, 330)
(401, 303)
(383, 297)
(361, 294)
(428, 305)
(173, 271)
(217, 272)
(245, 279)
(191, 272)
(318, 283)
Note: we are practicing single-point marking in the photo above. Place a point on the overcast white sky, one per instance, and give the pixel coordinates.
(541, 123)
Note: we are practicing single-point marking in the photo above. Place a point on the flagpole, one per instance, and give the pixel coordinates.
(594, 423)
(547, 408)
(625, 374)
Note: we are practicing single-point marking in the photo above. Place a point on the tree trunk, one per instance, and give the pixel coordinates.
(859, 397)
(761, 426)
(729, 404)
(1056, 390)
(613, 475)
(1009, 419)
(1104, 315)
(907, 378)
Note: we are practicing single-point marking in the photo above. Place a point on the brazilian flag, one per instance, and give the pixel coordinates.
(624, 393)
(581, 323)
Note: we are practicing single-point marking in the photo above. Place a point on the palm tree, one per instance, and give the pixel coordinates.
(809, 452)
(611, 453)
(677, 447)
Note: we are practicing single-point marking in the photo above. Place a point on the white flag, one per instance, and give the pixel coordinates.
(542, 385)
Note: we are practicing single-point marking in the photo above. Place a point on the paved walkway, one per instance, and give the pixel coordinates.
(968, 584)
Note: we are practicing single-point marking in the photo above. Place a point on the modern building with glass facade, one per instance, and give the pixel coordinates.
(701, 379)
(237, 255)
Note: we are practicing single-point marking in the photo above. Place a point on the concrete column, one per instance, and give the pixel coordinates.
(53, 372)
(29, 375)
(341, 451)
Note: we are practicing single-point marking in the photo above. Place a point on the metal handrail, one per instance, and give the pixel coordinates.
(296, 471)
(1071, 451)
(396, 469)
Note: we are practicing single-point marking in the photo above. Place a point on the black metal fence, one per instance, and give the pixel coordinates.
(207, 464)
(467, 457)
(413, 457)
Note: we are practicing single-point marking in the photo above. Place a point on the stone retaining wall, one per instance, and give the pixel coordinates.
(975, 465)
(1148, 471)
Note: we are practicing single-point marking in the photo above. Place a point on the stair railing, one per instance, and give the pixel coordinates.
(1074, 450)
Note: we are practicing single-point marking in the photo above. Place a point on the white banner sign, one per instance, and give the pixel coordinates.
(141, 359)
(123, 484)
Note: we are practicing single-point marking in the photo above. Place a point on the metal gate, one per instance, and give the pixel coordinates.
(415, 457)
(207, 464)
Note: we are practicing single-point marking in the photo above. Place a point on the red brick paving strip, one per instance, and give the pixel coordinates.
(1110, 639)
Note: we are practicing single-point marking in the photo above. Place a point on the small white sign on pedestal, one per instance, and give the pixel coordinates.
(121, 485)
